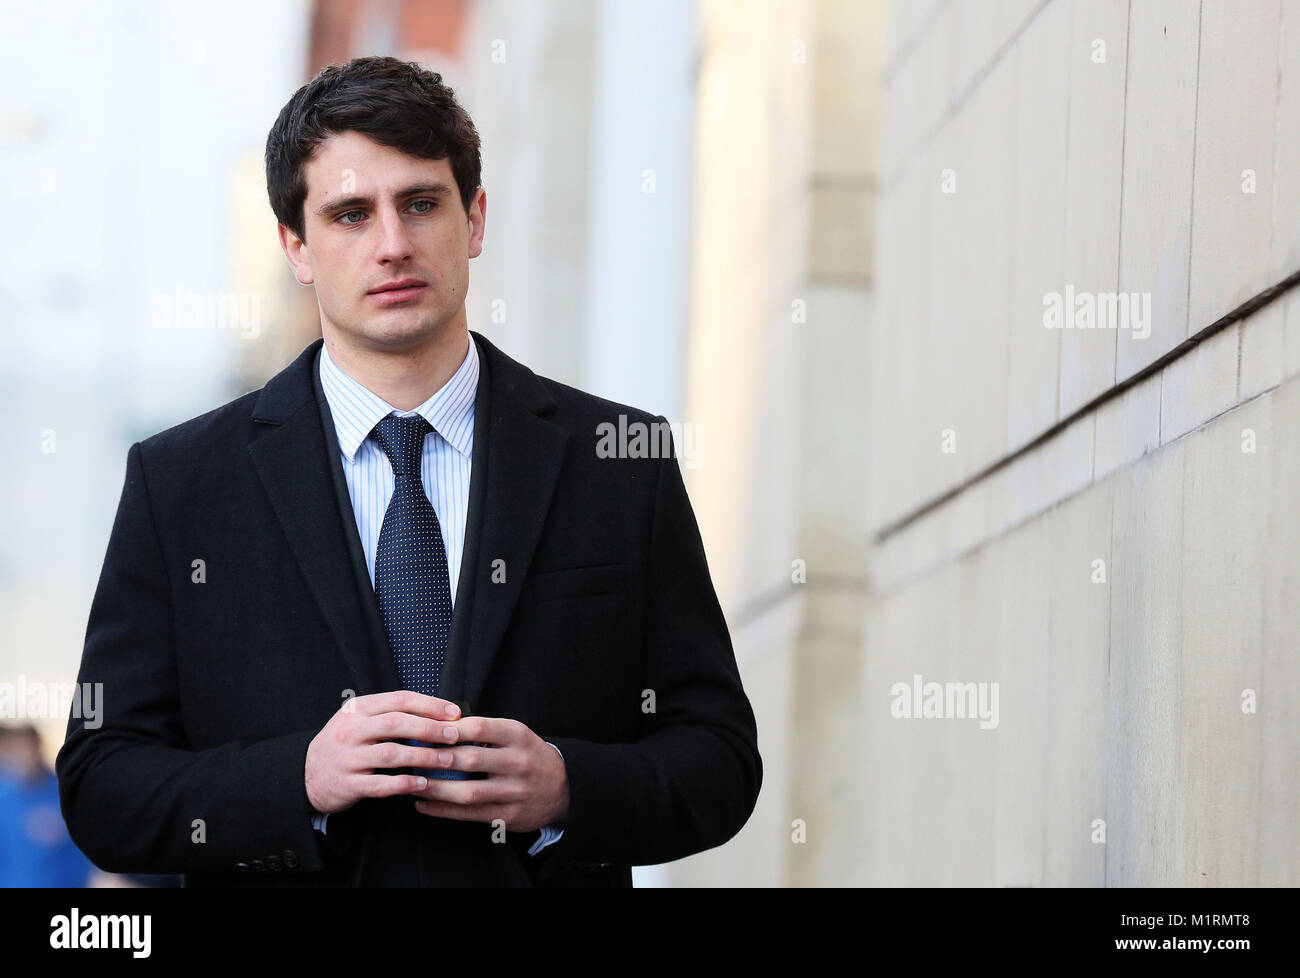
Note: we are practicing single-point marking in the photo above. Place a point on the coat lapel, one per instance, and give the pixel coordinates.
(517, 460)
(381, 652)
(292, 460)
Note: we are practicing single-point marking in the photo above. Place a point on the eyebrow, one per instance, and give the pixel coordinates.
(356, 200)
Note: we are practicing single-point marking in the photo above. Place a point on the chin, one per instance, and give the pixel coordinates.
(398, 333)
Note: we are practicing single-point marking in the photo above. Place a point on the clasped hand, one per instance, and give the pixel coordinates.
(526, 785)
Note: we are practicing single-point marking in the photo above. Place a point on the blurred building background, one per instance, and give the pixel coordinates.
(818, 234)
(1100, 521)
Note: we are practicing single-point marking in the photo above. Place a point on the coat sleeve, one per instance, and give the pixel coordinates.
(691, 779)
(134, 795)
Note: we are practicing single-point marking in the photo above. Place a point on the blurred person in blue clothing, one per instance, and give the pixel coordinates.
(35, 849)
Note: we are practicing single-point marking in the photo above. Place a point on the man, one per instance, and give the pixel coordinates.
(396, 618)
(34, 846)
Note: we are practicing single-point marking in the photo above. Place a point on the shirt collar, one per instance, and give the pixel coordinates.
(356, 410)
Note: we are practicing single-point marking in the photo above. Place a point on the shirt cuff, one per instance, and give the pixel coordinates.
(318, 821)
(550, 834)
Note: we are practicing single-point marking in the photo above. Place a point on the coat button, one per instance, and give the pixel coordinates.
(273, 864)
(243, 867)
(259, 866)
(290, 859)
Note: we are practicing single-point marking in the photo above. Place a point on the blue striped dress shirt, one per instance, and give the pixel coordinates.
(444, 469)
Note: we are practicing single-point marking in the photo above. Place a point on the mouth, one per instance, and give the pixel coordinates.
(403, 290)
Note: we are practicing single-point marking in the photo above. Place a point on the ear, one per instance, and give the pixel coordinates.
(297, 253)
(477, 222)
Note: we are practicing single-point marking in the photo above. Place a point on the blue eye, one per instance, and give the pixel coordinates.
(432, 205)
(345, 214)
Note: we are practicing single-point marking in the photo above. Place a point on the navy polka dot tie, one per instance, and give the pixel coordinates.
(411, 579)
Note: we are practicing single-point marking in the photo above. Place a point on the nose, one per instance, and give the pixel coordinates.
(394, 244)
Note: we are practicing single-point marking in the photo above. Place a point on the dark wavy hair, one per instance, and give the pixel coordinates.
(396, 103)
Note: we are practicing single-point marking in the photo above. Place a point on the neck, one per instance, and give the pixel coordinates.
(404, 378)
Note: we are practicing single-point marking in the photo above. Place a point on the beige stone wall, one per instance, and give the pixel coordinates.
(743, 379)
(782, 251)
(1113, 539)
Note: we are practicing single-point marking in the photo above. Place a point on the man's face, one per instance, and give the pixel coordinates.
(374, 216)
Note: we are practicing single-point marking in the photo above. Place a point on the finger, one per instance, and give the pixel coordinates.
(403, 726)
(468, 794)
(497, 731)
(488, 760)
(386, 785)
(404, 701)
(389, 754)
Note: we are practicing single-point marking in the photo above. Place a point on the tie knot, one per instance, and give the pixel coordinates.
(402, 439)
